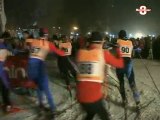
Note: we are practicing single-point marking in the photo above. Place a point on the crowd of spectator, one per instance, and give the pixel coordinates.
(146, 47)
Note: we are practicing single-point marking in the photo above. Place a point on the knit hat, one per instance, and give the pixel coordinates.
(96, 37)
(122, 34)
(43, 31)
(54, 37)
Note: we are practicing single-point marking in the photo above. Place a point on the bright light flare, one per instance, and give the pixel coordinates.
(89, 33)
(130, 35)
(75, 28)
(72, 33)
(138, 35)
(106, 33)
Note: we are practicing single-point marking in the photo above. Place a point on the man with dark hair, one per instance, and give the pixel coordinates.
(26, 35)
(91, 64)
(126, 48)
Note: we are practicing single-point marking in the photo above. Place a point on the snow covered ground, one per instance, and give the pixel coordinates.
(149, 95)
(63, 100)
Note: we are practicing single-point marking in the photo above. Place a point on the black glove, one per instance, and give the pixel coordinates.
(109, 45)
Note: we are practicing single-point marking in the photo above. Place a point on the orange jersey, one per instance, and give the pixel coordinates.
(67, 47)
(91, 65)
(40, 48)
(126, 47)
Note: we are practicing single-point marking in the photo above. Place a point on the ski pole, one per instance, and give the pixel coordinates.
(149, 74)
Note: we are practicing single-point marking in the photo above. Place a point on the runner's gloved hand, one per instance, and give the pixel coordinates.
(113, 45)
(109, 45)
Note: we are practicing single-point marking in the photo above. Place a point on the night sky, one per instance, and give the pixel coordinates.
(102, 15)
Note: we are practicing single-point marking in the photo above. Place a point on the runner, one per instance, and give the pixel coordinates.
(64, 62)
(126, 48)
(36, 67)
(91, 64)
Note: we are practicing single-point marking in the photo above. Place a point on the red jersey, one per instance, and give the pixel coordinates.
(92, 67)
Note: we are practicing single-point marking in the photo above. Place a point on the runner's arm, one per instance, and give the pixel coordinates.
(112, 60)
(55, 50)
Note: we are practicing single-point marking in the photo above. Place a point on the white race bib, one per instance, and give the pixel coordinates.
(89, 68)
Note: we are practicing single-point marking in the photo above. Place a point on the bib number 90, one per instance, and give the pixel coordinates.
(125, 49)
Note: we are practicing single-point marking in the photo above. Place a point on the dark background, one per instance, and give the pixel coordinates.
(104, 15)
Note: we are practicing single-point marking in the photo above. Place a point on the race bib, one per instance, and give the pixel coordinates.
(65, 50)
(88, 68)
(126, 50)
(35, 50)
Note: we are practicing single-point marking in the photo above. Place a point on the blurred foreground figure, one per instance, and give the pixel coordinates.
(126, 48)
(91, 64)
(39, 48)
(4, 81)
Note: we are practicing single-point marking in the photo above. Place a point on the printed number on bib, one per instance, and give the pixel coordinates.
(35, 50)
(65, 49)
(125, 49)
(88, 68)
